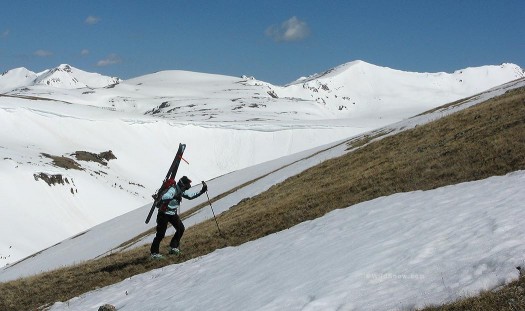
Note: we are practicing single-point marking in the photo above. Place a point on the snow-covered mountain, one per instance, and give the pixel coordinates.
(63, 76)
(359, 87)
(67, 77)
(15, 78)
(89, 148)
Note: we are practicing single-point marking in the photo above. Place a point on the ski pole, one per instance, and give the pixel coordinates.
(209, 202)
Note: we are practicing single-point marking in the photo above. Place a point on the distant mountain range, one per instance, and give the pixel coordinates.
(356, 88)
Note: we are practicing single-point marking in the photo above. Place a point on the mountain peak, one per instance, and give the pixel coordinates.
(15, 78)
(69, 77)
(17, 71)
(65, 67)
(63, 76)
(356, 64)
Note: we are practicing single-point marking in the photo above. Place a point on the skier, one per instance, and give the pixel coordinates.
(169, 204)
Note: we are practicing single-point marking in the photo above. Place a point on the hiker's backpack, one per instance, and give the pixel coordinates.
(163, 205)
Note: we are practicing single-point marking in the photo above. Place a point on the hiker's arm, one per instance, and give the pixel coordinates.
(169, 194)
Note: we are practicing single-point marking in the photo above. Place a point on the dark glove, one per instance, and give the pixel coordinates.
(204, 187)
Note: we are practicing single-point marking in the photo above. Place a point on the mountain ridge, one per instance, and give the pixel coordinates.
(80, 79)
(359, 64)
(355, 87)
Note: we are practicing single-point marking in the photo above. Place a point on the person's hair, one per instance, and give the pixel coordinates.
(184, 183)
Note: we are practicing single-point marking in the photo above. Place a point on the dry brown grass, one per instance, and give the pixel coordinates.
(101, 158)
(482, 141)
(508, 298)
(63, 162)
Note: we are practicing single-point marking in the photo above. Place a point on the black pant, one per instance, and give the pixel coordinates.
(162, 225)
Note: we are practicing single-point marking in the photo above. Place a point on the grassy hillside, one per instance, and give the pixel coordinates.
(485, 140)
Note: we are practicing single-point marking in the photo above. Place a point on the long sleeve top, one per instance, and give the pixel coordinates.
(175, 195)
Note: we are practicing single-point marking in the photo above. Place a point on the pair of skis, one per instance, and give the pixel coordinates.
(170, 175)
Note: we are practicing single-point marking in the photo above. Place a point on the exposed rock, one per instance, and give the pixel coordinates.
(107, 307)
(272, 94)
(101, 158)
(50, 179)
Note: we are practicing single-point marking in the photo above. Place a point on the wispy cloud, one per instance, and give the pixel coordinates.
(5, 33)
(92, 20)
(84, 52)
(292, 29)
(110, 60)
(42, 53)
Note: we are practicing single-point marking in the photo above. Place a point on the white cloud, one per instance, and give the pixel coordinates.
(5, 33)
(84, 52)
(42, 53)
(110, 60)
(292, 29)
(92, 20)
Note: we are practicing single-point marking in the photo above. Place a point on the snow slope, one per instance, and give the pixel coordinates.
(100, 192)
(391, 253)
(229, 123)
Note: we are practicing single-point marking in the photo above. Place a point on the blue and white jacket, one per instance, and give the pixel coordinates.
(175, 195)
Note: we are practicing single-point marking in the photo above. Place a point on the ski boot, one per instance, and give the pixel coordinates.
(174, 251)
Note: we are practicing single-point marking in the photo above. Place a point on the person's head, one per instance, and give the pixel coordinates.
(184, 183)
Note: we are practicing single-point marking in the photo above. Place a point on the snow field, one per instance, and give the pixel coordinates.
(144, 149)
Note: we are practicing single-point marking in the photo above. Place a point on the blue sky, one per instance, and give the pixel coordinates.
(275, 40)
